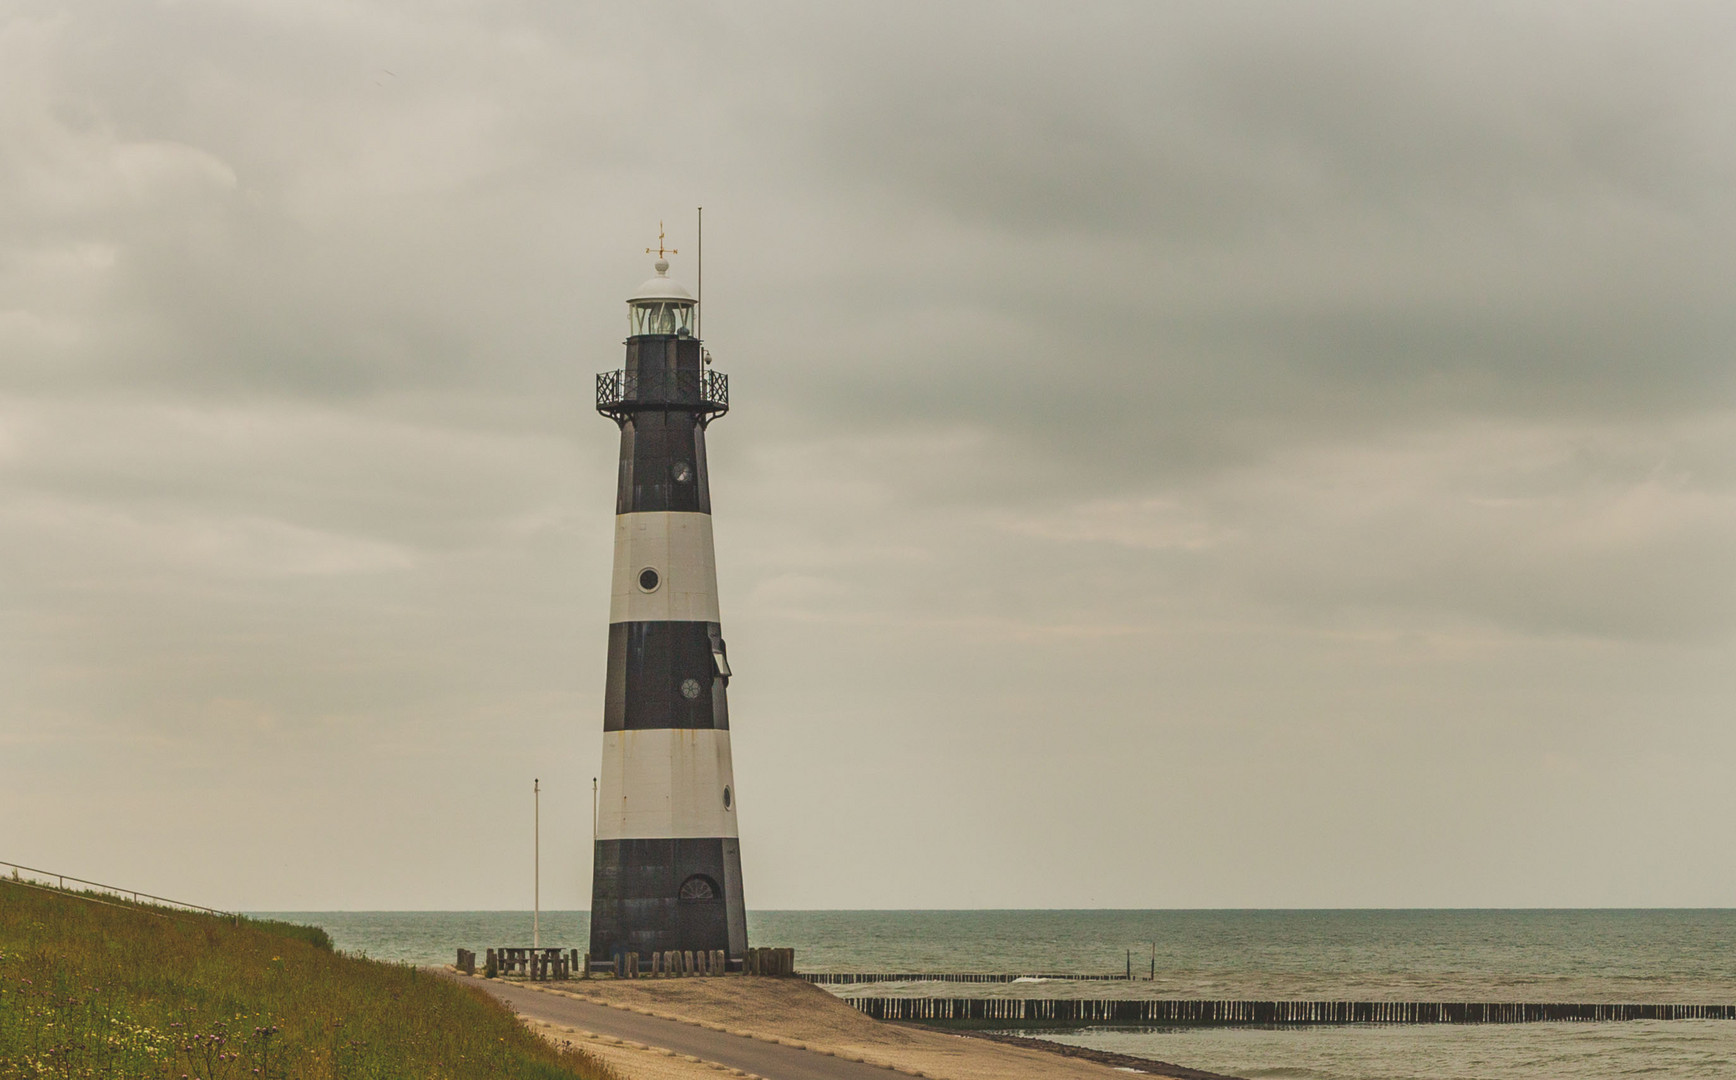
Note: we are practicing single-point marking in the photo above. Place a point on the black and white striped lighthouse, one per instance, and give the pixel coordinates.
(667, 869)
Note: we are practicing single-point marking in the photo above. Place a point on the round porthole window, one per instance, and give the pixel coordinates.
(682, 471)
(690, 689)
(649, 580)
(726, 797)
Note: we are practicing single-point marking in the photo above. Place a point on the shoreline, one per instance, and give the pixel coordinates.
(793, 1013)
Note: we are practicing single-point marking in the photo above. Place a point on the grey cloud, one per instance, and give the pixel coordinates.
(1301, 218)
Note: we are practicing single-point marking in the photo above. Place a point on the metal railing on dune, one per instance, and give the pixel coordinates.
(41, 878)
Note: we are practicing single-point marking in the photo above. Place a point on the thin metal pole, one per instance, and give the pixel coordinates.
(536, 911)
(699, 300)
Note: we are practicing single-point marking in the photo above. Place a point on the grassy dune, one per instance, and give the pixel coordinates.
(91, 987)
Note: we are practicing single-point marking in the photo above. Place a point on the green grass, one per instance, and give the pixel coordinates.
(313, 935)
(94, 987)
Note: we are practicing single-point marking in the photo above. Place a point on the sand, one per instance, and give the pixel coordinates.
(796, 1013)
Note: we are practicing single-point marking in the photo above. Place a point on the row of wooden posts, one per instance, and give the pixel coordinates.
(671, 964)
(843, 978)
(537, 964)
(543, 964)
(1186, 1011)
(769, 962)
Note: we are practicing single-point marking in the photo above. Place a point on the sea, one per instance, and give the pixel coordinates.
(1686, 956)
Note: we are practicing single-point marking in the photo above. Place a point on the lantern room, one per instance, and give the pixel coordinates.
(661, 306)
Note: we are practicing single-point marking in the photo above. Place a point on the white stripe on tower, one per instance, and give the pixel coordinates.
(677, 548)
(666, 783)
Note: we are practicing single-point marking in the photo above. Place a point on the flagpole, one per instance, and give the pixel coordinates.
(536, 911)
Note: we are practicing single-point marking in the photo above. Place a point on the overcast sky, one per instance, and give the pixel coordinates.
(1182, 454)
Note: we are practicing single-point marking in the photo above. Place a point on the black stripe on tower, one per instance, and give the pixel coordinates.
(637, 903)
(665, 675)
(663, 427)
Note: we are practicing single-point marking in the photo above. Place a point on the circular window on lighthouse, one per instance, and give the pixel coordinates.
(726, 797)
(649, 580)
(682, 471)
(690, 689)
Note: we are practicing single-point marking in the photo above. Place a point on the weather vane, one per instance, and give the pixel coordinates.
(661, 250)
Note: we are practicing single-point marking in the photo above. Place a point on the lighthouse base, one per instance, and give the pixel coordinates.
(657, 895)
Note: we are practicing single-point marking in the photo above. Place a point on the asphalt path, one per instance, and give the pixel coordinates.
(770, 1060)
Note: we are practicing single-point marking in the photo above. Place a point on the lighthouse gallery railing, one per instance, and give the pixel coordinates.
(621, 392)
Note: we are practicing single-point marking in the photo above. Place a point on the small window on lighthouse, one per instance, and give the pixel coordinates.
(698, 889)
(649, 580)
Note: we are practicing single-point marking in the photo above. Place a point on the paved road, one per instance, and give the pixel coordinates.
(769, 1060)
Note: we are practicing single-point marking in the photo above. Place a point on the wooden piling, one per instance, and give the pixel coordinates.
(1230, 1012)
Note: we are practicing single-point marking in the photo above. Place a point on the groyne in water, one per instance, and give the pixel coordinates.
(1053, 1011)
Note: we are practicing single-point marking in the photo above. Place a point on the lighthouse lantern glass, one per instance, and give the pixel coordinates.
(660, 317)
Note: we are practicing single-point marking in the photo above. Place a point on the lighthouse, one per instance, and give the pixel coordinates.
(667, 860)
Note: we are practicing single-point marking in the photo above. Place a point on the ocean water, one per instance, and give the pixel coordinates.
(1628, 956)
